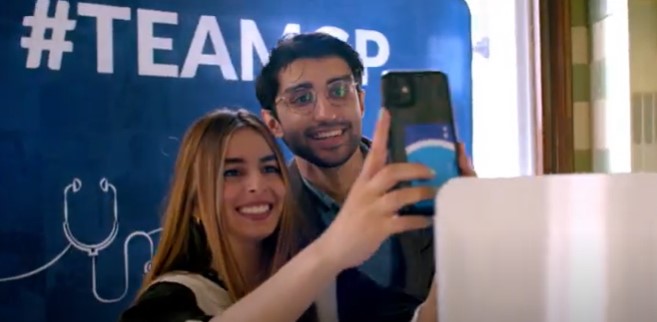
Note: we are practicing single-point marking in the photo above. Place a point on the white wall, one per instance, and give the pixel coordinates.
(502, 106)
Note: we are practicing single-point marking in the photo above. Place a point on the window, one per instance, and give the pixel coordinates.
(503, 113)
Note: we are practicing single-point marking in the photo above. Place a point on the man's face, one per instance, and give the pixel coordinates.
(319, 111)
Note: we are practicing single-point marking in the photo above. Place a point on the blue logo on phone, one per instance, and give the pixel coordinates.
(434, 146)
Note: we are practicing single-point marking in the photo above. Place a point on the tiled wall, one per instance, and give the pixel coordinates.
(610, 85)
(643, 81)
(594, 110)
(598, 16)
(603, 115)
(581, 59)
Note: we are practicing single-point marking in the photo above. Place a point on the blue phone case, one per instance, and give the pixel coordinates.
(422, 128)
(434, 146)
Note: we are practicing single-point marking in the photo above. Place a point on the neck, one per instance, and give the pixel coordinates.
(337, 181)
(248, 256)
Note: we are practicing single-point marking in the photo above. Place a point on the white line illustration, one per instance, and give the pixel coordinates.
(164, 147)
(93, 250)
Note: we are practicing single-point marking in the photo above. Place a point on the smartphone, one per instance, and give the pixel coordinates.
(422, 128)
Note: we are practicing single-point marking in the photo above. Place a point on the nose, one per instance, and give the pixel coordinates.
(254, 182)
(324, 110)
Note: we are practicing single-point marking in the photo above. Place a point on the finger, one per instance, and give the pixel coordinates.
(400, 224)
(394, 200)
(465, 166)
(392, 174)
(376, 157)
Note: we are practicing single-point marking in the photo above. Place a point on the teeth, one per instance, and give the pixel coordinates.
(254, 210)
(324, 135)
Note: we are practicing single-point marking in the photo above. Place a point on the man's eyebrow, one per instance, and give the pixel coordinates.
(339, 78)
(293, 88)
(308, 85)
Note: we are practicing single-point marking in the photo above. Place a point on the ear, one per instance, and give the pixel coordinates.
(361, 100)
(272, 123)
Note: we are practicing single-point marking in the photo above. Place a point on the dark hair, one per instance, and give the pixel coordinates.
(297, 46)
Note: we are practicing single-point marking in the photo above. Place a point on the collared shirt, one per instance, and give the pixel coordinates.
(382, 267)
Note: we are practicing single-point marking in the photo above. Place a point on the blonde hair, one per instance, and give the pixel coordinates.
(197, 183)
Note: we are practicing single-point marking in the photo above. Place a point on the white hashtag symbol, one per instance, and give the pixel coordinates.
(37, 43)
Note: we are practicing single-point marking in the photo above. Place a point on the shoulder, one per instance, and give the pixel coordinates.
(177, 297)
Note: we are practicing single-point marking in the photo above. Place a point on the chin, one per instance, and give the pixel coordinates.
(257, 231)
(335, 158)
(259, 236)
(333, 161)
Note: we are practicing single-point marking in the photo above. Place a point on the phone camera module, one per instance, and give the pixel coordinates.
(400, 92)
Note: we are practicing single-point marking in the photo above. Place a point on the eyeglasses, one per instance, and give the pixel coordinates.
(304, 100)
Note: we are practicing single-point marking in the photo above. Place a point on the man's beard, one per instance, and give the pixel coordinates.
(297, 146)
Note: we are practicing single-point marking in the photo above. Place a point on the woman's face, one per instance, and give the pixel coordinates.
(253, 187)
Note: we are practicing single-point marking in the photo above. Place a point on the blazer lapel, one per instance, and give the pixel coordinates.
(418, 257)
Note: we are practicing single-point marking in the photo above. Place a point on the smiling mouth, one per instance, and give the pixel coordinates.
(327, 134)
(256, 212)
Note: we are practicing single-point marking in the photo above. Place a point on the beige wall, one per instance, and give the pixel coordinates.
(643, 83)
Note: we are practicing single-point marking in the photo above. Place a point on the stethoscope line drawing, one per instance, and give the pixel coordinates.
(93, 250)
(126, 265)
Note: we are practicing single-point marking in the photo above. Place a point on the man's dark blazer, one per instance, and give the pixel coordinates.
(416, 250)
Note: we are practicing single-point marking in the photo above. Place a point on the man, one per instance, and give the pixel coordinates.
(311, 97)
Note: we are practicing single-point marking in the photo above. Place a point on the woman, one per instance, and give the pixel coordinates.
(228, 249)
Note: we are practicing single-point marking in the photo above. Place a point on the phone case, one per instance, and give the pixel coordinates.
(422, 128)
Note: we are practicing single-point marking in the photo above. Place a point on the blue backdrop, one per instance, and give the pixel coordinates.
(96, 94)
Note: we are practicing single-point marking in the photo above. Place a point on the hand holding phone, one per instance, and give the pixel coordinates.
(422, 128)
